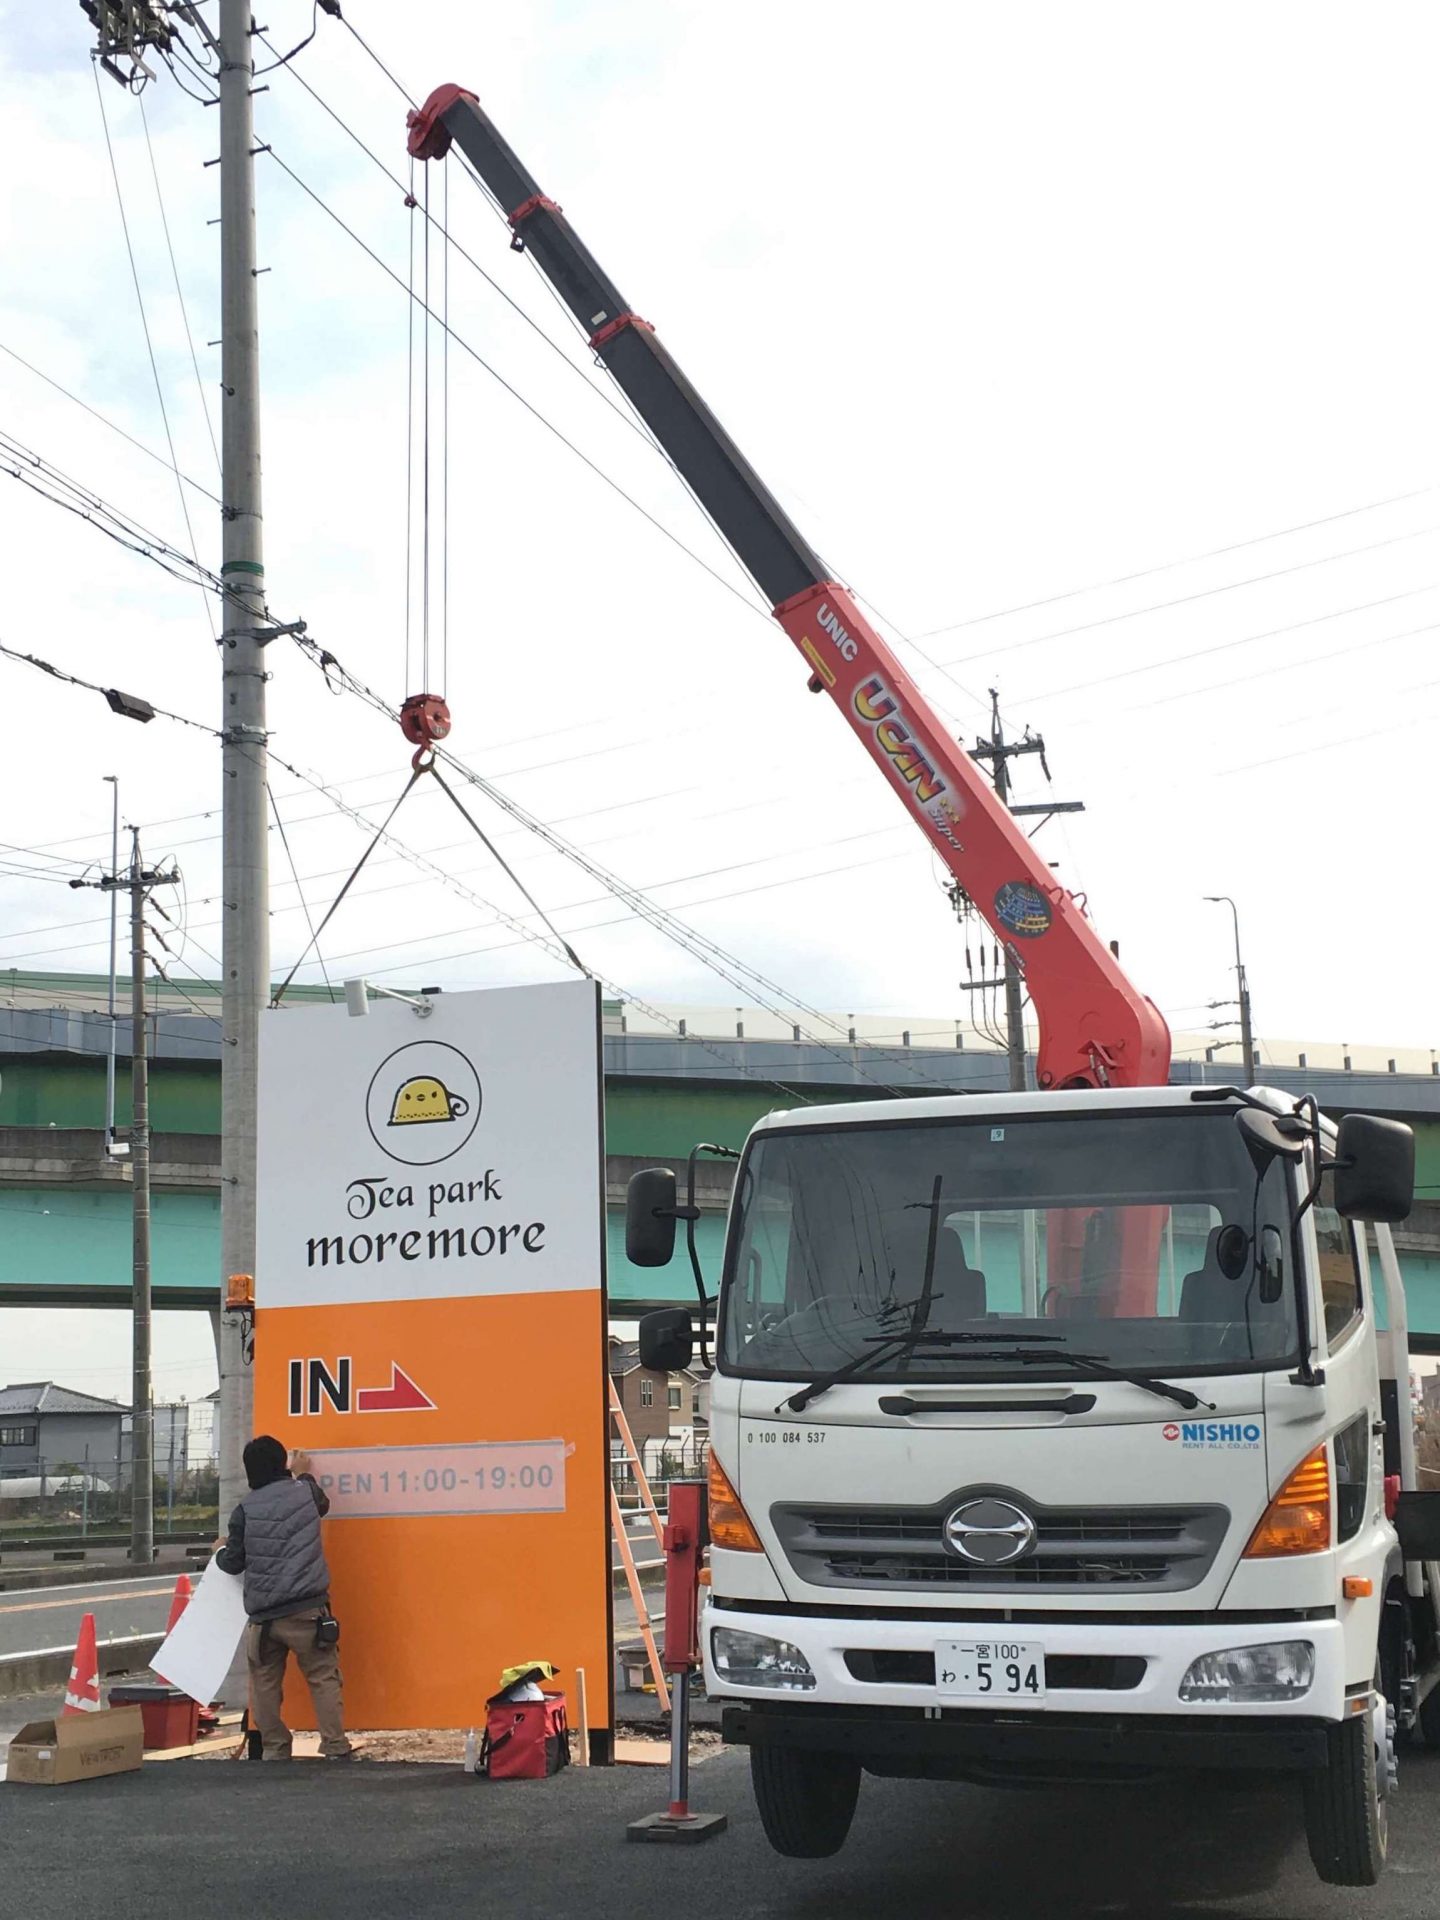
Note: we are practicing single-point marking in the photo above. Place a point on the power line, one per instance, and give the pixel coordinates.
(1167, 566)
(1186, 599)
(528, 934)
(149, 343)
(32, 468)
(621, 413)
(1284, 666)
(708, 952)
(105, 421)
(1222, 646)
(515, 394)
(366, 48)
(179, 291)
(58, 673)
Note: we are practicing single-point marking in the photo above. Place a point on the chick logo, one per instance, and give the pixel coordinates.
(423, 1103)
(426, 1099)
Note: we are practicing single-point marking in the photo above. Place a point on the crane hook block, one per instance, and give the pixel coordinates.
(424, 719)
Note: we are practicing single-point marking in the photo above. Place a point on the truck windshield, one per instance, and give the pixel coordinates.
(1145, 1240)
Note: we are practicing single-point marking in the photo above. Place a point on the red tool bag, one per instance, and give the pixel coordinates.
(525, 1739)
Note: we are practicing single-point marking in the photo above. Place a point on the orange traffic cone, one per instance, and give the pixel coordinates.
(179, 1600)
(83, 1693)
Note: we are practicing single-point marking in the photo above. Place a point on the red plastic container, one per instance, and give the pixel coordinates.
(172, 1718)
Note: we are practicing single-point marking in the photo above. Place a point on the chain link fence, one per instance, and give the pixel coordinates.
(48, 1498)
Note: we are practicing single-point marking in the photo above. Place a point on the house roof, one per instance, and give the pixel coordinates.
(43, 1396)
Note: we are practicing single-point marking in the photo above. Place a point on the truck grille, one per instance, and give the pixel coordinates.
(1076, 1549)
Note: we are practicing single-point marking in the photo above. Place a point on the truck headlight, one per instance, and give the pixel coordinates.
(1280, 1670)
(755, 1660)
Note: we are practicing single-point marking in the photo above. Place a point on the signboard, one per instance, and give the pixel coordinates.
(430, 1328)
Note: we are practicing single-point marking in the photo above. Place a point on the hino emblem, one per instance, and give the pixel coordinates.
(989, 1533)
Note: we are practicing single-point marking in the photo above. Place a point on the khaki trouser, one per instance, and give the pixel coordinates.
(268, 1644)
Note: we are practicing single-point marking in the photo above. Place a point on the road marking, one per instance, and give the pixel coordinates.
(101, 1597)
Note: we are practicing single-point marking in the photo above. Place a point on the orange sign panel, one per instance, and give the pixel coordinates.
(430, 1327)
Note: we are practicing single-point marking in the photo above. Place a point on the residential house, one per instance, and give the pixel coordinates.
(643, 1392)
(45, 1429)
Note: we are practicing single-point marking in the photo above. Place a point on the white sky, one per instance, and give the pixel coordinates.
(1006, 303)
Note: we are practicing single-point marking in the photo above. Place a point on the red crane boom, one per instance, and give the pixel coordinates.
(1095, 1028)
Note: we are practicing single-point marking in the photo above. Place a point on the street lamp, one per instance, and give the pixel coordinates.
(1247, 1043)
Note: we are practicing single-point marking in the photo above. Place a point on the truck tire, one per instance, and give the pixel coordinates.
(1345, 1813)
(806, 1800)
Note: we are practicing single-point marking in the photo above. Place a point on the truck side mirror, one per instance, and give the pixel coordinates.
(650, 1217)
(1374, 1169)
(667, 1339)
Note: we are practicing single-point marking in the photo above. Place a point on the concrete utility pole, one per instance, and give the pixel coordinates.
(114, 940)
(127, 30)
(139, 881)
(245, 947)
(999, 753)
(1242, 988)
(142, 1428)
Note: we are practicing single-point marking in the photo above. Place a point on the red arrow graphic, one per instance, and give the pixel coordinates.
(401, 1396)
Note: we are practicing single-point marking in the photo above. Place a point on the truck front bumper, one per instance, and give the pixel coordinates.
(1126, 1672)
(966, 1744)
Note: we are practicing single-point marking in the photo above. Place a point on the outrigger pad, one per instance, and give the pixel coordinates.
(683, 1830)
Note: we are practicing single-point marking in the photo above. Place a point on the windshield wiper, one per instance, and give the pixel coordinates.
(882, 1347)
(1102, 1369)
(885, 1346)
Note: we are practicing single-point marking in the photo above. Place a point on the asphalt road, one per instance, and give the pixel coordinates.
(367, 1842)
(34, 1619)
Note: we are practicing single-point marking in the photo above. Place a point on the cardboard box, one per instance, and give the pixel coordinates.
(78, 1746)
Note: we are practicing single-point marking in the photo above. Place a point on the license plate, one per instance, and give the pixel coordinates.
(990, 1670)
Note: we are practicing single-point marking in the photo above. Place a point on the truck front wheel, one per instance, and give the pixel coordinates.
(806, 1800)
(1345, 1814)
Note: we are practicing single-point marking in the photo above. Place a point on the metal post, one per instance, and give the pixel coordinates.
(680, 1746)
(142, 1449)
(114, 932)
(245, 887)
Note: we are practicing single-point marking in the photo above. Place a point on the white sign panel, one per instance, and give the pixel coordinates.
(408, 1158)
(196, 1656)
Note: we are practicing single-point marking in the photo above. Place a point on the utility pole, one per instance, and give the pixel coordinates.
(139, 882)
(142, 1430)
(999, 753)
(245, 948)
(127, 30)
(114, 944)
(1242, 988)
(245, 887)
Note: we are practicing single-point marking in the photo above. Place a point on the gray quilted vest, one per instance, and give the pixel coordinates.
(284, 1560)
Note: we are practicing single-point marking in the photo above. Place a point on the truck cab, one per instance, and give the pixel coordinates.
(1049, 1441)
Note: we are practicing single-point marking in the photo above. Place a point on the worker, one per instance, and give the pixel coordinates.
(274, 1540)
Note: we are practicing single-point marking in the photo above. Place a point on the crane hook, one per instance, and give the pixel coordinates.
(424, 721)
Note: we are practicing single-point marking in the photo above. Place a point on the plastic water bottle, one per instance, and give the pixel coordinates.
(472, 1751)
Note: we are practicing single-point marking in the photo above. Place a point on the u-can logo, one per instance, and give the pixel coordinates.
(877, 707)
